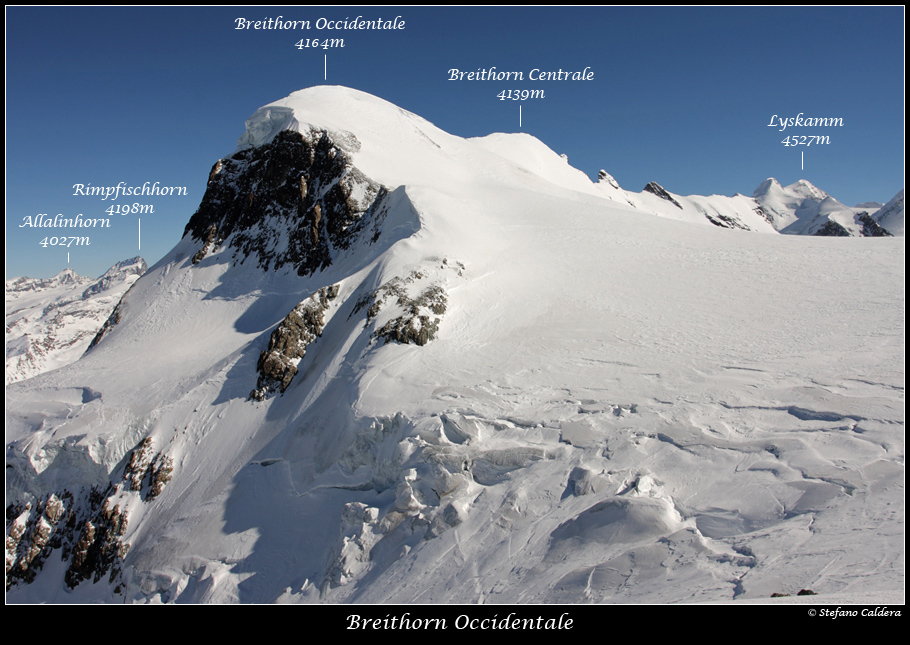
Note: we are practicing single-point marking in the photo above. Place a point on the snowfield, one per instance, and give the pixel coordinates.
(617, 406)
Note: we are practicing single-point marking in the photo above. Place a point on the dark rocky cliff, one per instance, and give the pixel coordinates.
(297, 200)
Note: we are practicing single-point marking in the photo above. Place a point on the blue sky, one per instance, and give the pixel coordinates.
(681, 96)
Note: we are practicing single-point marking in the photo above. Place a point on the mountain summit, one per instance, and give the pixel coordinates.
(386, 364)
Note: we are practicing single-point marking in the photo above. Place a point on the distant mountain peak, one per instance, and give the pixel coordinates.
(64, 277)
(766, 186)
(116, 275)
(800, 188)
(805, 188)
(50, 322)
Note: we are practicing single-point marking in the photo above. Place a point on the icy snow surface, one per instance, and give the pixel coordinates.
(618, 407)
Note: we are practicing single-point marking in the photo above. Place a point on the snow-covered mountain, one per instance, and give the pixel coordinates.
(799, 208)
(891, 215)
(51, 322)
(388, 364)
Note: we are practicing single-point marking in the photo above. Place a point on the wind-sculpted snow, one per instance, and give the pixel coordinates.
(266, 124)
(609, 406)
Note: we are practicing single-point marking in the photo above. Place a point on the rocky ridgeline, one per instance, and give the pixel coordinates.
(136, 266)
(297, 200)
(724, 221)
(87, 527)
(26, 284)
(871, 228)
(112, 321)
(761, 212)
(117, 274)
(656, 189)
(277, 365)
(606, 177)
(832, 229)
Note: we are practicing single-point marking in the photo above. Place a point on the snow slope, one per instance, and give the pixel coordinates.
(616, 406)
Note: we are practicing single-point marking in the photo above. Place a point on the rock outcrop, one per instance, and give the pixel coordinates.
(112, 321)
(725, 221)
(87, 526)
(871, 228)
(419, 303)
(604, 176)
(294, 201)
(288, 344)
(656, 189)
(832, 229)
